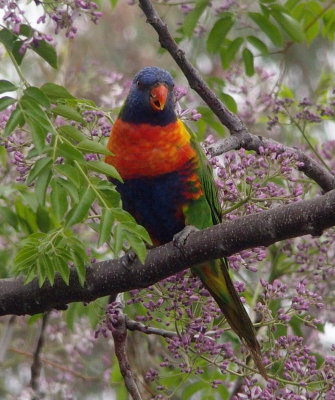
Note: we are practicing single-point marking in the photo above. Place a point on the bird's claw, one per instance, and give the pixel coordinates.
(180, 238)
(128, 259)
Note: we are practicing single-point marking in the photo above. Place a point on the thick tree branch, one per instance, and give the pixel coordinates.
(111, 277)
(241, 137)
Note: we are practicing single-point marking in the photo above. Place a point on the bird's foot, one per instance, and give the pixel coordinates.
(128, 259)
(180, 238)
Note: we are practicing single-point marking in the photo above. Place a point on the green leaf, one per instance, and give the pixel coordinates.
(103, 168)
(137, 229)
(34, 318)
(248, 60)
(110, 195)
(68, 112)
(38, 168)
(33, 111)
(46, 51)
(68, 151)
(258, 44)
(69, 188)
(118, 237)
(37, 95)
(7, 38)
(219, 32)
(61, 266)
(138, 246)
(79, 263)
(229, 102)
(16, 118)
(91, 146)
(58, 198)
(8, 216)
(3, 156)
(38, 133)
(6, 86)
(54, 91)
(26, 30)
(313, 30)
(192, 18)
(27, 216)
(291, 26)
(72, 132)
(16, 51)
(43, 219)
(290, 4)
(80, 212)
(25, 257)
(270, 30)
(105, 227)
(70, 172)
(50, 269)
(228, 54)
(41, 185)
(193, 388)
(6, 101)
(296, 325)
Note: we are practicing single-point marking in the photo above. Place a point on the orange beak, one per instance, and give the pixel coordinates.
(158, 96)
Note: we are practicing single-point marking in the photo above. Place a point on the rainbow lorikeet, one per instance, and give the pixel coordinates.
(168, 184)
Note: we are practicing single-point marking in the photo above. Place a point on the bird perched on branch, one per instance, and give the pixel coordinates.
(168, 185)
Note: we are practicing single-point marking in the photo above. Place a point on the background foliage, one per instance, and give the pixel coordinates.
(65, 70)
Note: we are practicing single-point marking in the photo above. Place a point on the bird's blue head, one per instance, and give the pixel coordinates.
(150, 99)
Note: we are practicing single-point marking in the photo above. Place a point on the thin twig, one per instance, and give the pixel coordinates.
(149, 330)
(120, 344)
(37, 363)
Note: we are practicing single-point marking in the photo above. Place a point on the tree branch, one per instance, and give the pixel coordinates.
(111, 277)
(248, 141)
(119, 333)
(241, 137)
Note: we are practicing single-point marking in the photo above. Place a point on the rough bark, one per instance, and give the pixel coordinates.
(111, 277)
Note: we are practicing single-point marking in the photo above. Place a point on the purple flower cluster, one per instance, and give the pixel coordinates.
(98, 124)
(63, 15)
(16, 146)
(306, 298)
(300, 113)
(13, 16)
(190, 114)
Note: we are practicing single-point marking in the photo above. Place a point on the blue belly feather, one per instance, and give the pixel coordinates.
(156, 203)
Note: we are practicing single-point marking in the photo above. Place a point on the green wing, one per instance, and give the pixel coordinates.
(206, 210)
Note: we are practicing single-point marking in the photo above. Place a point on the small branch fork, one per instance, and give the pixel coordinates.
(240, 136)
(119, 333)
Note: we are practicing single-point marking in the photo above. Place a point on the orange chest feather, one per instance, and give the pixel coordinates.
(144, 150)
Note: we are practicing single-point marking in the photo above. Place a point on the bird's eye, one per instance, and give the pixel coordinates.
(138, 84)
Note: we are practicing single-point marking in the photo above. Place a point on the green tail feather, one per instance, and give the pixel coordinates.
(216, 279)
